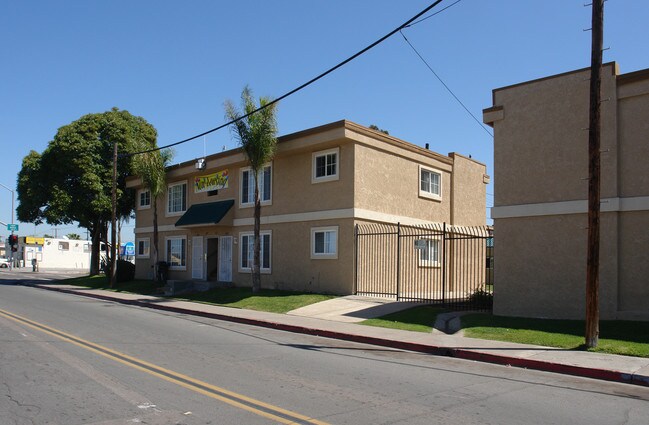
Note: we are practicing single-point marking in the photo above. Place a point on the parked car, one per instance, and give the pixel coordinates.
(4, 263)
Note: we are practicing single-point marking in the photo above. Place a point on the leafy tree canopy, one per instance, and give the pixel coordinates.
(375, 127)
(72, 179)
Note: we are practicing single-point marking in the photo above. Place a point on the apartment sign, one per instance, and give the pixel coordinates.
(216, 181)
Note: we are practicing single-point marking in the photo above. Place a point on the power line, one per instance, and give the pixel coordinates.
(295, 90)
(444, 84)
(433, 14)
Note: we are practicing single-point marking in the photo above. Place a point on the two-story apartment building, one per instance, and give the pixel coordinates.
(541, 192)
(321, 183)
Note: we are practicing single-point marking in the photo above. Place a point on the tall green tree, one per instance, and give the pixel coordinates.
(257, 135)
(151, 168)
(72, 179)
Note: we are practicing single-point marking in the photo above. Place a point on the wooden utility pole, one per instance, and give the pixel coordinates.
(113, 238)
(592, 257)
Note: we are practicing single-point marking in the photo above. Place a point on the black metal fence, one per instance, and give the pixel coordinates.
(437, 263)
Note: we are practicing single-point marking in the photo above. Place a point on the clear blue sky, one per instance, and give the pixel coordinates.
(174, 63)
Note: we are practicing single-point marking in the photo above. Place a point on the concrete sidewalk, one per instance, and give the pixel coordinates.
(326, 321)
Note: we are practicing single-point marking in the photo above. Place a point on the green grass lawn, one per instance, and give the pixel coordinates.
(418, 319)
(144, 287)
(266, 300)
(269, 300)
(616, 337)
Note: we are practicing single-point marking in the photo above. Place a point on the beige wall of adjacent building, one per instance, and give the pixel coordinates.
(540, 202)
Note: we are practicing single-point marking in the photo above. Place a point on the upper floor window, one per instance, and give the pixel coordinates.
(325, 165)
(430, 183)
(144, 200)
(177, 198)
(248, 185)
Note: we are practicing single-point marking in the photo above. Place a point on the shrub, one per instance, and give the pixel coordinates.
(481, 298)
(125, 271)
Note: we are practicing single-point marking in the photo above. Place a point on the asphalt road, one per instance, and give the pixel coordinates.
(69, 360)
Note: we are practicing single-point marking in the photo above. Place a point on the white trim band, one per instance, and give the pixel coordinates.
(640, 203)
(165, 228)
(354, 213)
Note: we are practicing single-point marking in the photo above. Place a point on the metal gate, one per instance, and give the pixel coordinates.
(435, 263)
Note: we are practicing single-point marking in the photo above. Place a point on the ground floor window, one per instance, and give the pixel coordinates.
(247, 252)
(143, 248)
(177, 252)
(324, 242)
(428, 252)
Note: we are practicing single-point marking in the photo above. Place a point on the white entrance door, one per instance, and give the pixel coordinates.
(225, 258)
(197, 257)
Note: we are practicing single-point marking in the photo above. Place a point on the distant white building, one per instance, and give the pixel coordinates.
(54, 253)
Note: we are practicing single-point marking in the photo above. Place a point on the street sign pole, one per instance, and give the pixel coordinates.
(11, 258)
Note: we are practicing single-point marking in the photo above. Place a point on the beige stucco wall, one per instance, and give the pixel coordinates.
(634, 265)
(468, 191)
(389, 184)
(541, 148)
(633, 134)
(292, 267)
(295, 192)
(541, 158)
(540, 267)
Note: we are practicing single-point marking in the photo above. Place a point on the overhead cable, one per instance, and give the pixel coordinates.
(445, 86)
(433, 14)
(295, 90)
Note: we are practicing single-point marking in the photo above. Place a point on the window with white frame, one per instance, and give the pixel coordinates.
(325, 165)
(247, 252)
(248, 185)
(176, 254)
(430, 183)
(324, 242)
(142, 248)
(144, 199)
(177, 198)
(428, 252)
(64, 246)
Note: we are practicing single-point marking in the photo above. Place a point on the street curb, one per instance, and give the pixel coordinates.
(540, 365)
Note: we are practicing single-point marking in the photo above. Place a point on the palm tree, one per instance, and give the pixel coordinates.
(256, 132)
(151, 167)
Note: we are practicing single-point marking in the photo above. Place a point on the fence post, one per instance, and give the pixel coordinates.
(444, 264)
(398, 261)
(356, 259)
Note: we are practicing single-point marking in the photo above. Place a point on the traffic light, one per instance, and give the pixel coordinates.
(13, 242)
